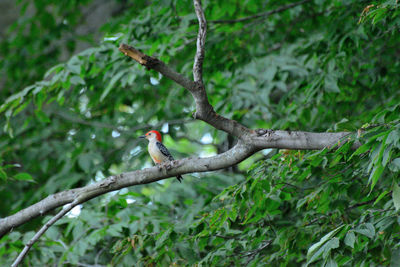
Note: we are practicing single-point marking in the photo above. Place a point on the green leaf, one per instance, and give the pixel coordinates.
(366, 229)
(395, 257)
(112, 83)
(55, 69)
(395, 165)
(331, 244)
(331, 263)
(23, 176)
(42, 116)
(375, 175)
(331, 84)
(350, 239)
(381, 195)
(394, 137)
(325, 250)
(3, 174)
(314, 251)
(362, 149)
(77, 80)
(396, 196)
(163, 238)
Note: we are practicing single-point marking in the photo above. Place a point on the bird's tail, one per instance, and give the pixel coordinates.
(180, 178)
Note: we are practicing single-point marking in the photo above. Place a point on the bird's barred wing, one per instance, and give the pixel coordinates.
(164, 151)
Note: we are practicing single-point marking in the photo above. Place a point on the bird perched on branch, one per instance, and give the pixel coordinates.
(158, 152)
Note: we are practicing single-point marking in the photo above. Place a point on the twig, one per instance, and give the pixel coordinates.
(252, 254)
(347, 209)
(201, 39)
(365, 202)
(157, 65)
(255, 251)
(259, 15)
(42, 230)
(96, 259)
(317, 219)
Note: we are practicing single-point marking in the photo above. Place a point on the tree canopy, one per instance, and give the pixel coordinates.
(70, 117)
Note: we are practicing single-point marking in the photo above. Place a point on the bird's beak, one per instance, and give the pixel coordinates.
(142, 136)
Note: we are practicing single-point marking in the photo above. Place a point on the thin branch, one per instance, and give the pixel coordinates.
(260, 15)
(157, 65)
(365, 202)
(96, 259)
(42, 230)
(253, 253)
(347, 209)
(201, 39)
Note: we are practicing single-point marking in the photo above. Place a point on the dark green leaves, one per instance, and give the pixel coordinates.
(23, 176)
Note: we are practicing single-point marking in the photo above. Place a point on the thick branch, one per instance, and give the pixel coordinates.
(49, 203)
(145, 176)
(260, 15)
(201, 39)
(261, 139)
(297, 139)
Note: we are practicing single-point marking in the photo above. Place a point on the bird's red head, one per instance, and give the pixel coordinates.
(158, 135)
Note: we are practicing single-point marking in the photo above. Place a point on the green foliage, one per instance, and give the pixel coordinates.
(297, 208)
(320, 66)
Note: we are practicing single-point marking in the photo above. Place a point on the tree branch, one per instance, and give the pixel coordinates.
(187, 165)
(201, 39)
(157, 65)
(298, 140)
(261, 138)
(42, 230)
(241, 151)
(204, 111)
(260, 15)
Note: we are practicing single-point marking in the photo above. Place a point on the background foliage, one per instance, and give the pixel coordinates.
(319, 66)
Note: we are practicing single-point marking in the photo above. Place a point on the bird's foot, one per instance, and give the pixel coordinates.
(168, 165)
(159, 166)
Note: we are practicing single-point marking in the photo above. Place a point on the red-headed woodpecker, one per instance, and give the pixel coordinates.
(158, 152)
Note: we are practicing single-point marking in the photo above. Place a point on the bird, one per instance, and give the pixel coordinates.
(158, 152)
